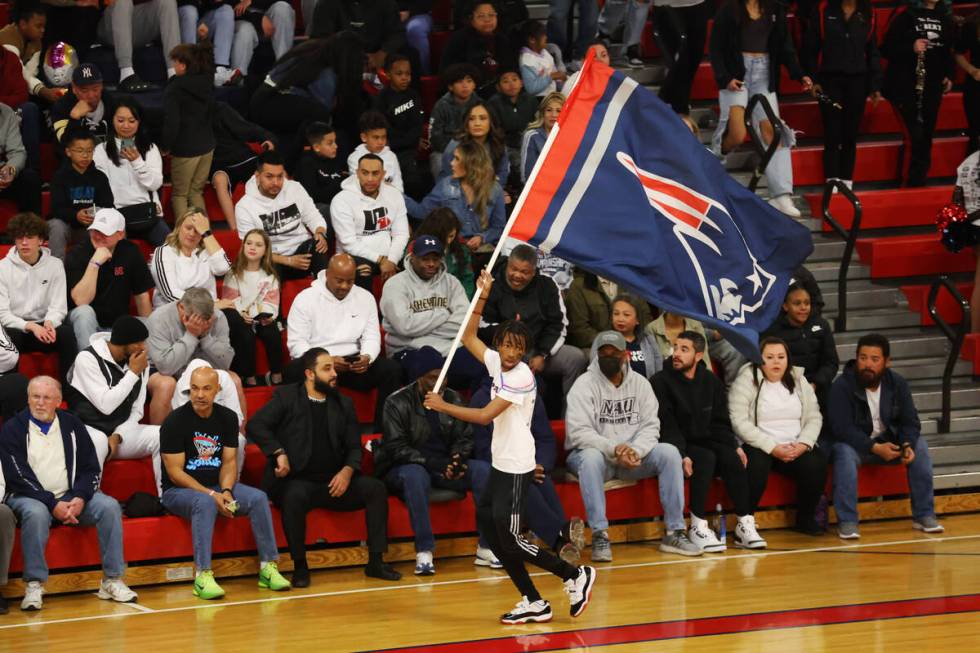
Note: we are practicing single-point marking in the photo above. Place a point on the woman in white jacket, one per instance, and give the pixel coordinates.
(190, 257)
(774, 411)
(135, 170)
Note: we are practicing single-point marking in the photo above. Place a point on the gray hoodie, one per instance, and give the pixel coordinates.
(171, 347)
(419, 313)
(13, 152)
(601, 415)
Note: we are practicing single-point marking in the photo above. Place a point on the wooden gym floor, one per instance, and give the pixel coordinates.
(895, 589)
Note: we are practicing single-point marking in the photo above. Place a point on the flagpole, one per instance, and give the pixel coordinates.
(503, 237)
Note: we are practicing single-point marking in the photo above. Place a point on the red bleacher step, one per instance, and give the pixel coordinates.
(898, 207)
(879, 161)
(904, 256)
(948, 308)
(805, 117)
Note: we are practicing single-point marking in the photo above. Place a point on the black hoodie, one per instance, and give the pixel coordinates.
(538, 305)
(692, 410)
(188, 115)
(403, 110)
(936, 26)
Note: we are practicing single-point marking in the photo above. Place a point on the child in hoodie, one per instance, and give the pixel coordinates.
(33, 293)
(78, 188)
(447, 114)
(374, 139)
(188, 131)
(318, 168)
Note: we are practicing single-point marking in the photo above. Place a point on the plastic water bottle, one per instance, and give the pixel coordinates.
(722, 527)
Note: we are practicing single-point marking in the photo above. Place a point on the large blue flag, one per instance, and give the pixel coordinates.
(624, 190)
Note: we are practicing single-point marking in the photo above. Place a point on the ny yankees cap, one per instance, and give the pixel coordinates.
(86, 74)
(427, 245)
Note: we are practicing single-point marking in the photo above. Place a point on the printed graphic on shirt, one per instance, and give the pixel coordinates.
(283, 221)
(618, 411)
(930, 29)
(402, 108)
(428, 304)
(376, 220)
(208, 449)
(636, 356)
(82, 194)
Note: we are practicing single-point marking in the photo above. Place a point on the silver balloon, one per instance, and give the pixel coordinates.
(60, 62)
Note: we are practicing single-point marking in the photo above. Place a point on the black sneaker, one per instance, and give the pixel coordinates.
(384, 571)
(301, 577)
(134, 84)
(525, 612)
(3, 606)
(579, 590)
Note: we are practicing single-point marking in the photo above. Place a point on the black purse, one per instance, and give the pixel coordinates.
(140, 218)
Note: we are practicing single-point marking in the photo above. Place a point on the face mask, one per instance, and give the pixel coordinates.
(610, 365)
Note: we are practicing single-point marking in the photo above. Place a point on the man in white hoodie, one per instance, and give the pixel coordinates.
(33, 294)
(337, 315)
(370, 220)
(283, 209)
(424, 306)
(612, 430)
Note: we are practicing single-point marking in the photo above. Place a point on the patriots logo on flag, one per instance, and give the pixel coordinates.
(624, 190)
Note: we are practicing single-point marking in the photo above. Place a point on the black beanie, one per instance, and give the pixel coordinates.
(128, 330)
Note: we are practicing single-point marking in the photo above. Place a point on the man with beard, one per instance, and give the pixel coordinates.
(873, 421)
(310, 435)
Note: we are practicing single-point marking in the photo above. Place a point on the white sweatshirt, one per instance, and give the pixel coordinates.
(256, 291)
(369, 227)
(290, 218)
(9, 357)
(132, 182)
(227, 396)
(342, 327)
(393, 171)
(173, 273)
(32, 293)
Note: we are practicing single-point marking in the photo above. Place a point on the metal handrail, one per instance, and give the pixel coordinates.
(765, 152)
(850, 237)
(955, 337)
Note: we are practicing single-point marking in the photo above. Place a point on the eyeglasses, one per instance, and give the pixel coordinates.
(79, 151)
(484, 16)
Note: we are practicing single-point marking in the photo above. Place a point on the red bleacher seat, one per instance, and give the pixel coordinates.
(34, 363)
(895, 207)
(904, 256)
(882, 119)
(364, 403)
(949, 309)
(229, 242)
(879, 161)
(290, 289)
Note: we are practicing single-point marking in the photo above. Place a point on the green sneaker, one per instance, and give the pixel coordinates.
(271, 579)
(206, 588)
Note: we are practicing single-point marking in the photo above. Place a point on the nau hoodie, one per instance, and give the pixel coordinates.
(341, 326)
(369, 227)
(32, 293)
(290, 218)
(600, 415)
(419, 313)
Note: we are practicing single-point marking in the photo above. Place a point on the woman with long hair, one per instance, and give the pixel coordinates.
(134, 167)
(538, 130)
(645, 357)
(480, 126)
(444, 225)
(190, 257)
(840, 52)
(775, 413)
(473, 195)
(750, 42)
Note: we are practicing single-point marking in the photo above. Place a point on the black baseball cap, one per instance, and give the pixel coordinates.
(86, 74)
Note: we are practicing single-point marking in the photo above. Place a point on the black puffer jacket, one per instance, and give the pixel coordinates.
(811, 347)
(537, 305)
(407, 425)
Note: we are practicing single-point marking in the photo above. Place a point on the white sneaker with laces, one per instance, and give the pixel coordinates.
(579, 590)
(784, 204)
(525, 611)
(116, 589)
(486, 558)
(746, 535)
(32, 596)
(701, 534)
(423, 564)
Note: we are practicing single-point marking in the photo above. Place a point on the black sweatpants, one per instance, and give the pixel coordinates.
(500, 516)
(841, 125)
(64, 345)
(298, 496)
(243, 336)
(714, 459)
(918, 157)
(809, 471)
(683, 31)
(971, 104)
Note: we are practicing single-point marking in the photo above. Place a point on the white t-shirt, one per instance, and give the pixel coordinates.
(874, 403)
(512, 446)
(779, 412)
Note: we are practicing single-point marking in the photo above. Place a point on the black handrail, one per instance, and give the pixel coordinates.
(766, 153)
(840, 322)
(955, 337)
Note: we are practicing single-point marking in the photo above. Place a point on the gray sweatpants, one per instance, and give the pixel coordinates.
(8, 528)
(568, 363)
(124, 26)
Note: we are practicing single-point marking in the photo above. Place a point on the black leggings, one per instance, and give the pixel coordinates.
(243, 336)
(809, 470)
(500, 516)
(714, 459)
(682, 31)
(841, 125)
(918, 156)
(971, 104)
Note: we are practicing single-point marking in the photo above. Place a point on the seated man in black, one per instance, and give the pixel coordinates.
(309, 432)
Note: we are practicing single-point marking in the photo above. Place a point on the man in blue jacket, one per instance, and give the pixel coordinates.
(873, 421)
(52, 472)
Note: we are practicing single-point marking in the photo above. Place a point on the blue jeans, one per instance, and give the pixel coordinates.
(85, 324)
(545, 515)
(413, 483)
(417, 30)
(846, 463)
(202, 511)
(635, 12)
(283, 16)
(779, 172)
(102, 511)
(221, 29)
(663, 461)
(588, 11)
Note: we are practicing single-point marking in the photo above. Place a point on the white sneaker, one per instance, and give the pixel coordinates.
(32, 596)
(746, 536)
(579, 590)
(486, 558)
(784, 204)
(224, 76)
(702, 535)
(116, 589)
(525, 611)
(423, 564)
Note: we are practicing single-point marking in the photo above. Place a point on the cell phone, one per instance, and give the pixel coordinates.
(262, 316)
(352, 358)
(126, 142)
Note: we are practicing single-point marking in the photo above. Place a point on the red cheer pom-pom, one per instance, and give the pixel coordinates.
(949, 214)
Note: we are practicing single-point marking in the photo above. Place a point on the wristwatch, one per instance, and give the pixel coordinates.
(206, 234)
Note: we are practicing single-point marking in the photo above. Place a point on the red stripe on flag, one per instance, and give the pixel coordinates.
(572, 123)
(699, 204)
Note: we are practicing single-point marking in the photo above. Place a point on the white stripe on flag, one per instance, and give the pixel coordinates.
(599, 147)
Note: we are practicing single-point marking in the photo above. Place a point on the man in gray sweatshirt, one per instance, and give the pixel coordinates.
(189, 329)
(612, 431)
